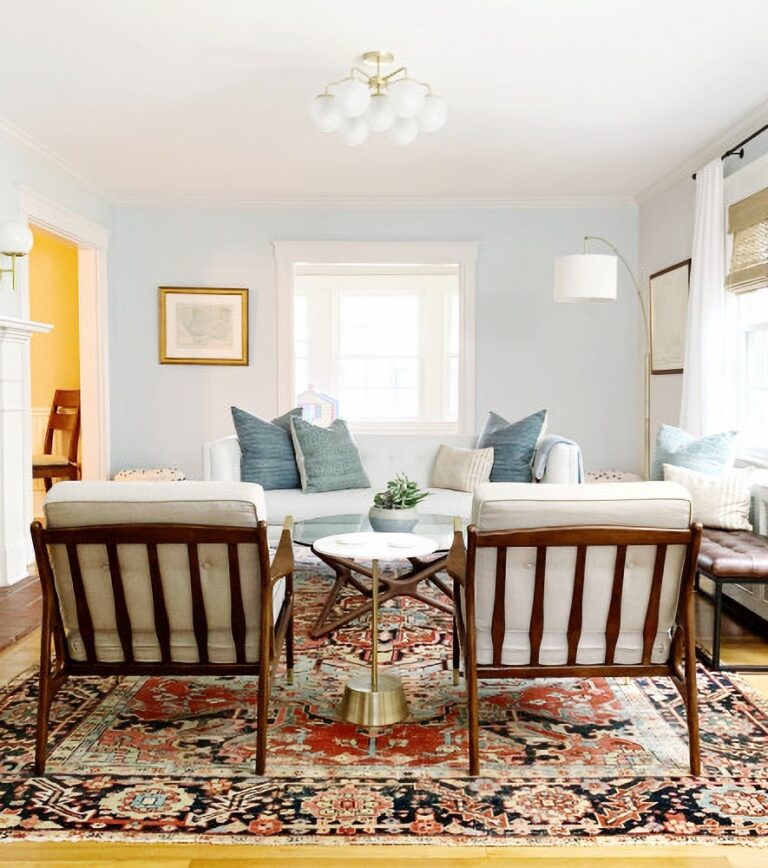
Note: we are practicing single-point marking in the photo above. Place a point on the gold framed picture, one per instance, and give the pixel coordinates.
(669, 317)
(201, 326)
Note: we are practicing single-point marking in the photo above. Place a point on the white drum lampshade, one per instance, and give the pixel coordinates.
(586, 277)
(15, 239)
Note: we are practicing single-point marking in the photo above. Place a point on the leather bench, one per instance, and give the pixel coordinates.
(730, 556)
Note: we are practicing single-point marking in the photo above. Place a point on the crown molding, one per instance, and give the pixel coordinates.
(13, 133)
(381, 202)
(725, 140)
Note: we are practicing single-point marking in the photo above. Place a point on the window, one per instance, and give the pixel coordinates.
(384, 330)
(383, 341)
(752, 355)
(747, 313)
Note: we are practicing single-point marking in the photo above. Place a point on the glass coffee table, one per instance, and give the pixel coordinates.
(350, 573)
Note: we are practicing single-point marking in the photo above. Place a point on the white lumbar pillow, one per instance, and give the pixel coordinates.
(461, 469)
(718, 501)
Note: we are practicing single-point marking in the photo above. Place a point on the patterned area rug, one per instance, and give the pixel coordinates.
(562, 761)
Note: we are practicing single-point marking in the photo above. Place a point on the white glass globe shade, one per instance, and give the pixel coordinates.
(15, 239)
(407, 97)
(354, 131)
(433, 114)
(403, 131)
(380, 114)
(352, 98)
(324, 113)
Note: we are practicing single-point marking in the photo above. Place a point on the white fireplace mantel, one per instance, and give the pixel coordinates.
(15, 446)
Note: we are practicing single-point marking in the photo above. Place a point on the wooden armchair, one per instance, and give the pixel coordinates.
(168, 578)
(602, 586)
(64, 416)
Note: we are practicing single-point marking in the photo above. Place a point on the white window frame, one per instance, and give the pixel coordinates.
(289, 254)
(745, 182)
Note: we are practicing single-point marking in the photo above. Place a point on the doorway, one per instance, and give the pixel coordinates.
(54, 357)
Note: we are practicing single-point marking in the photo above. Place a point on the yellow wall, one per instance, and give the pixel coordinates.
(53, 299)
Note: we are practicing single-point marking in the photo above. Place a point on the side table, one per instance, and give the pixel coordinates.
(374, 699)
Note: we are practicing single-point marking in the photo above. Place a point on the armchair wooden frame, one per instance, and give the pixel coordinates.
(56, 664)
(681, 665)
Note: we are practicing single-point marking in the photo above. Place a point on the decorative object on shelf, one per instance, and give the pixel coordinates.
(15, 241)
(588, 276)
(365, 102)
(149, 474)
(203, 326)
(394, 509)
(668, 293)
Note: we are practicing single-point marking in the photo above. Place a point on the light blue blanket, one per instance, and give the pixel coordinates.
(542, 455)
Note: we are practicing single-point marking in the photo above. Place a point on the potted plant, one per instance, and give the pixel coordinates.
(394, 510)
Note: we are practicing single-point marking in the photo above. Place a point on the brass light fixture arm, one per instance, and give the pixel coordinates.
(647, 354)
(635, 282)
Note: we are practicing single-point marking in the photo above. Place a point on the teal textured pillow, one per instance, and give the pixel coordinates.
(328, 459)
(713, 454)
(514, 445)
(267, 450)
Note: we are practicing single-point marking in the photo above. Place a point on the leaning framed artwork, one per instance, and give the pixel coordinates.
(669, 316)
(201, 326)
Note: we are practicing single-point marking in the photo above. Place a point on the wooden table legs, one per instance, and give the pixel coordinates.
(405, 585)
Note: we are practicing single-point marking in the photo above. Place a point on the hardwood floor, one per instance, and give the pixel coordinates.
(19, 610)
(738, 641)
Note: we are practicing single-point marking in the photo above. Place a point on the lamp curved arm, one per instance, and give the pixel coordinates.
(638, 291)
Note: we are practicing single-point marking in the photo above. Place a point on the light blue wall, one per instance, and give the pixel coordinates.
(581, 362)
(21, 167)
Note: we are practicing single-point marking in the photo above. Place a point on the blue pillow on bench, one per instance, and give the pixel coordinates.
(267, 450)
(712, 454)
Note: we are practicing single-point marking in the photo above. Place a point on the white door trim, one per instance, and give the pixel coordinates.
(91, 239)
(289, 254)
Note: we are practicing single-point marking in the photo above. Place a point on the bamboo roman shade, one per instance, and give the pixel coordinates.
(748, 225)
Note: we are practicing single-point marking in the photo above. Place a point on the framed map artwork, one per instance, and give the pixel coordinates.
(203, 326)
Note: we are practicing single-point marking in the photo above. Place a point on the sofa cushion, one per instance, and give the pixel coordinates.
(267, 449)
(514, 445)
(718, 501)
(461, 469)
(327, 458)
(712, 454)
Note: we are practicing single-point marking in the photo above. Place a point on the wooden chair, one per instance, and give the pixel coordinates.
(64, 416)
(602, 587)
(160, 578)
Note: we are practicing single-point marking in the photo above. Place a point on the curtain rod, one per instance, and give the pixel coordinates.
(738, 150)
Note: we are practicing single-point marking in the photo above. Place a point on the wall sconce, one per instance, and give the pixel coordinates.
(15, 240)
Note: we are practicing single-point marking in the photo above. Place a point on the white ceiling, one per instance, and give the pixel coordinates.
(172, 100)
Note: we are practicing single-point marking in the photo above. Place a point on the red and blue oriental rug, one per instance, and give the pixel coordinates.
(595, 761)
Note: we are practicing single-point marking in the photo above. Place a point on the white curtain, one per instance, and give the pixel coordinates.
(706, 400)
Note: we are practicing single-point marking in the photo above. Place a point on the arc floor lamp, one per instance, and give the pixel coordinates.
(587, 277)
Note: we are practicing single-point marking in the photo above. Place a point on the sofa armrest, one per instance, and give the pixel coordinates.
(221, 460)
(562, 465)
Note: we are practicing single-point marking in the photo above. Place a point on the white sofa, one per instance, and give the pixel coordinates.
(383, 455)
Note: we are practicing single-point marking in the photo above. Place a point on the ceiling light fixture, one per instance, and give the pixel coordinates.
(391, 103)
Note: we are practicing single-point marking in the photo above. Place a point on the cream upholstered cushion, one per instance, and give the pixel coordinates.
(718, 501)
(82, 504)
(508, 506)
(461, 469)
(49, 460)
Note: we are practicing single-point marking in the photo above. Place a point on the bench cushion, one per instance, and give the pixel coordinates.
(735, 554)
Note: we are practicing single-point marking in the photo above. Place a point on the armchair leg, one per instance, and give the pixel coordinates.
(692, 696)
(289, 648)
(474, 723)
(262, 718)
(456, 653)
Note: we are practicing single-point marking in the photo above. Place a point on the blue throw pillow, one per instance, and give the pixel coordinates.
(514, 445)
(267, 450)
(327, 457)
(712, 454)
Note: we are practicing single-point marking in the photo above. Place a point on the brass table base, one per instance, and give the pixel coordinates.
(366, 706)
